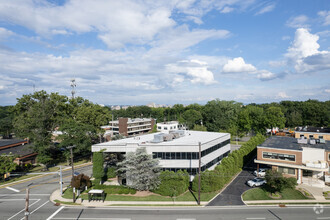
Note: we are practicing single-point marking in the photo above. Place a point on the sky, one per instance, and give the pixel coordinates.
(133, 52)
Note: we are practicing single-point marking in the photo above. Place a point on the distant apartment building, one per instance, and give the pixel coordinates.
(169, 126)
(305, 160)
(313, 132)
(130, 127)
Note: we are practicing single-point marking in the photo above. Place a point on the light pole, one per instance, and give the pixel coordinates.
(73, 189)
(199, 172)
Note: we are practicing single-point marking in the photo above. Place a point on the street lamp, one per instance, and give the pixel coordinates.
(73, 189)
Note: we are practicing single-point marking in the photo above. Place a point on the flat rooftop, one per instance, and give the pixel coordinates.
(6, 142)
(291, 143)
(190, 138)
(313, 129)
(133, 120)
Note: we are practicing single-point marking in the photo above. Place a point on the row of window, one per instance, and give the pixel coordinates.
(194, 171)
(287, 170)
(187, 155)
(165, 128)
(278, 156)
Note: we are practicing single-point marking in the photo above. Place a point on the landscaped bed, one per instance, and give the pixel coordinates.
(262, 194)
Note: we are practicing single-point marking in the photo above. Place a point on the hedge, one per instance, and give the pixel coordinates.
(232, 164)
(173, 183)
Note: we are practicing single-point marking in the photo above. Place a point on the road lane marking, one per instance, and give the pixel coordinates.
(25, 194)
(15, 190)
(36, 209)
(95, 218)
(55, 213)
(23, 209)
(4, 200)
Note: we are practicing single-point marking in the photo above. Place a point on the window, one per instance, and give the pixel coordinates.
(159, 128)
(276, 156)
(165, 128)
(286, 170)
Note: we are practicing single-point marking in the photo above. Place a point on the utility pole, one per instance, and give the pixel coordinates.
(26, 214)
(199, 172)
(73, 189)
(61, 180)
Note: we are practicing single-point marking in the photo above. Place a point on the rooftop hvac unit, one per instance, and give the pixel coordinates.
(158, 138)
(302, 140)
(312, 141)
(322, 141)
(168, 137)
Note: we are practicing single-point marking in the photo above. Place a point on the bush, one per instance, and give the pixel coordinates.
(109, 189)
(173, 184)
(210, 181)
(111, 172)
(98, 170)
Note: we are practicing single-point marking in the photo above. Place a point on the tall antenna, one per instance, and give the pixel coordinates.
(73, 87)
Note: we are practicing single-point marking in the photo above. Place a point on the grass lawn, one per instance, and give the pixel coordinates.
(14, 179)
(187, 196)
(74, 163)
(238, 142)
(261, 194)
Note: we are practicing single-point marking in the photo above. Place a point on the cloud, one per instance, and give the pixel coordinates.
(304, 52)
(282, 95)
(298, 22)
(4, 33)
(195, 71)
(237, 65)
(265, 75)
(325, 15)
(226, 10)
(327, 90)
(266, 9)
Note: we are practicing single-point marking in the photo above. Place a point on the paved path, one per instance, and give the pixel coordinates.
(232, 194)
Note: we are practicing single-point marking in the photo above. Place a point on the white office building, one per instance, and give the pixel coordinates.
(177, 149)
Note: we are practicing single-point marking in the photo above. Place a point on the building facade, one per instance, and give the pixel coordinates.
(130, 127)
(313, 132)
(177, 150)
(305, 161)
(21, 149)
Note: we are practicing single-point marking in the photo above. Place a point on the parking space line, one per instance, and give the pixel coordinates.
(55, 213)
(23, 209)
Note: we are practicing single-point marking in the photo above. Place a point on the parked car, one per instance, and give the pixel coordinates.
(256, 182)
(261, 173)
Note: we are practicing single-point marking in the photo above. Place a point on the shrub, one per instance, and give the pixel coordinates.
(173, 184)
(98, 170)
(111, 172)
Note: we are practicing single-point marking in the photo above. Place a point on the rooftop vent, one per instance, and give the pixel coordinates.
(312, 141)
(302, 140)
(158, 138)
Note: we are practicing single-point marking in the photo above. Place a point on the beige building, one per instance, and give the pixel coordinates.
(307, 161)
(313, 132)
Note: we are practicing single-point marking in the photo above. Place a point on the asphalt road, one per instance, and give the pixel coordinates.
(193, 213)
(12, 199)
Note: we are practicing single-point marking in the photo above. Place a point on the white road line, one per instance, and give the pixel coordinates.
(36, 209)
(23, 209)
(10, 188)
(24, 194)
(55, 213)
(97, 218)
(4, 200)
(255, 218)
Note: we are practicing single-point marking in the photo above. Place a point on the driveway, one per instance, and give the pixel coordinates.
(232, 194)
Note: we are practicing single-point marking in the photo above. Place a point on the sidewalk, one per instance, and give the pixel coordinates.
(317, 193)
(56, 196)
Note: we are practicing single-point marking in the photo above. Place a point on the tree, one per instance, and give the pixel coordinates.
(220, 115)
(275, 182)
(192, 117)
(173, 184)
(140, 170)
(274, 117)
(6, 120)
(199, 128)
(98, 169)
(7, 164)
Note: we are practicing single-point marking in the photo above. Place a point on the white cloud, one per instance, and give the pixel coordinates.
(4, 33)
(325, 15)
(304, 52)
(265, 75)
(298, 22)
(237, 65)
(195, 71)
(282, 95)
(266, 9)
(226, 10)
(286, 38)
(327, 90)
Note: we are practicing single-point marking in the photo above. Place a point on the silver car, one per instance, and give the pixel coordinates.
(261, 173)
(256, 182)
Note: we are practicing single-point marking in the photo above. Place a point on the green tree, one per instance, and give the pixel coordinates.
(199, 128)
(274, 117)
(6, 120)
(192, 117)
(7, 164)
(173, 184)
(98, 169)
(140, 170)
